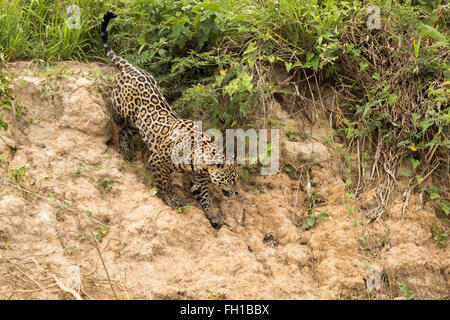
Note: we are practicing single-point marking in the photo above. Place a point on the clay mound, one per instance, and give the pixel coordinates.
(80, 210)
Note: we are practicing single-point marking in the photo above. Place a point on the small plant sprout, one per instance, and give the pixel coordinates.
(105, 185)
(404, 287)
(183, 208)
(153, 191)
(439, 236)
(100, 232)
(17, 173)
(312, 219)
(79, 169)
(72, 248)
(63, 205)
(211, 293)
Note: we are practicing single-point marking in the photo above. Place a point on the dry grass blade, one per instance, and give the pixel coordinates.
(104, 266)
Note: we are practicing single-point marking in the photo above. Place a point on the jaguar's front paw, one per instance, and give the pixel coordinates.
(215, 220)
(173, 202)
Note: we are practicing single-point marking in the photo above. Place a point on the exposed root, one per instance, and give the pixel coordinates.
(67, 290)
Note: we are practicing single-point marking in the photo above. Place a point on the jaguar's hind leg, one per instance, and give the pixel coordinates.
(199, 189)
(126, 145)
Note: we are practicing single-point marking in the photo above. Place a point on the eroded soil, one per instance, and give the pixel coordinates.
(80, 208)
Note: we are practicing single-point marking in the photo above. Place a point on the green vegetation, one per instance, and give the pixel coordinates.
(214, 56)
(312, 219)
(100, 232)
(439, 236)
(181, 209)
(290, 131)
(17, 173)
(404, 287)
(105, 185)
(437, 200)
(5, 92)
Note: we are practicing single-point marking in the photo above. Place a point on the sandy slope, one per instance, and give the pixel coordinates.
(154, 252)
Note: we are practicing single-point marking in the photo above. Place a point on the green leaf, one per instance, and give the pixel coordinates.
(405, 172)
(314, 63)
(415, 117)
(288, 66)
(416, 47)
(311, 221)
(392, 98)
(415, 163)
(323, 215)
(432, 32)
(3, 125)
(363, 66)
(183, 208)
(356, 52)
(419, 179)
(251, 62)
(369, 106)
(274, 121)
(434, 196)
(162, 52)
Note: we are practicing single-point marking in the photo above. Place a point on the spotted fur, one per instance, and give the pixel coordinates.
(138, 106)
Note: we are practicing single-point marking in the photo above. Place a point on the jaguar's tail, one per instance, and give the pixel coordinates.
(118, 61)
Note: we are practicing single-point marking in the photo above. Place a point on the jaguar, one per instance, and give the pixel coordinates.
(138, 106)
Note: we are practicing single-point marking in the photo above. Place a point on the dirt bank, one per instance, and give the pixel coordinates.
(79, 209)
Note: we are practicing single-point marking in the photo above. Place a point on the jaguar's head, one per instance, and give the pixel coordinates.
(225, 176)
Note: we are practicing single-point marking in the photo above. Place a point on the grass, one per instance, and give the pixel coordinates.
(38, 30)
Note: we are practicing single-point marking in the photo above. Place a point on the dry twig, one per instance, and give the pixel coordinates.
(104, 266)
(65, 289)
